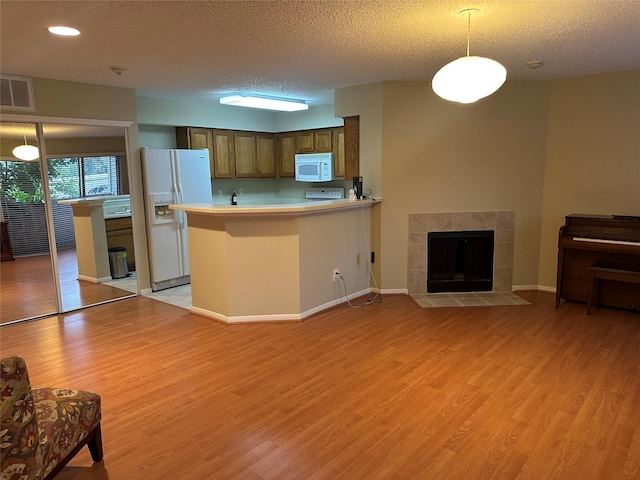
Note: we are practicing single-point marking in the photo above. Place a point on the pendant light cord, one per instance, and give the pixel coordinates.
(468, 33)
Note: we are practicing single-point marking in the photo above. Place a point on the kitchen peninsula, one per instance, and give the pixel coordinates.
(275, 262)
(94, 235)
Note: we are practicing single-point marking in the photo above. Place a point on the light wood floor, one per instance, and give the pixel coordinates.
(389, 391)
(26, 287)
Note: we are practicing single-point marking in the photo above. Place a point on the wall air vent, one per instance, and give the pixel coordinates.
(16, 93)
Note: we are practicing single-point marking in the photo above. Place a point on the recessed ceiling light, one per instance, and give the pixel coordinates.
(64, 31)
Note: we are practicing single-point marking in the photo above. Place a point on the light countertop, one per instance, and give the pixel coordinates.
(301, 208)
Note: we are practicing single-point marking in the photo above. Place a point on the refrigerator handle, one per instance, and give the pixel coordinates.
(179, 200)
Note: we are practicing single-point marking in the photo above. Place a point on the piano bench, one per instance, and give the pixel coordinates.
(609, 271)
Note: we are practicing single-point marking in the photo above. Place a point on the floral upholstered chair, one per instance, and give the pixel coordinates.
(43, 428)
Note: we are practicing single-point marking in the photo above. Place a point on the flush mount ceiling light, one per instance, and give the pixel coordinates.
(468, 79)
(265, 103)
(26, 152)
(64, 31)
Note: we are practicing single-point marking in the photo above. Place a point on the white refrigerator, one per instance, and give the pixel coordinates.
(172, 177)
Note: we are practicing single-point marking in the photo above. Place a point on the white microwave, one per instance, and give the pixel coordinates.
(314, 167)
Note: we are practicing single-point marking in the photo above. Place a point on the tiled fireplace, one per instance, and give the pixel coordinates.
(501, 223)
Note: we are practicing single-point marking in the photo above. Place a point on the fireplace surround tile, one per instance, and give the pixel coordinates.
(501, 222)
(483, 221)
(461, 221)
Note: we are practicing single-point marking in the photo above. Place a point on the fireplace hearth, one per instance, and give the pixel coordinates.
(460, 261)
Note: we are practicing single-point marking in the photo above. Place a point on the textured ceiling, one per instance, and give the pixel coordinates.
(194, 50)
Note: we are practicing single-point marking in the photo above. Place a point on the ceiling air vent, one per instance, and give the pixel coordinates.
(16, 93)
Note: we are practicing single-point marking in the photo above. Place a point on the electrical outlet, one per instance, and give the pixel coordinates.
(241, 191)
(219, 193)
(336, 274)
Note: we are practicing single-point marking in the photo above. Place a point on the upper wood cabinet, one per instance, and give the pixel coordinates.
(314, 141)
(351, 147)
(242, 154)
(323, 140)
(265, 155)
(286, 154)
(223, 154)
(338, 152)
(196, 139)
(245, 151)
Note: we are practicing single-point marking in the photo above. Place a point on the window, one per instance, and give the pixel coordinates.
(85, 176)
(21, 197)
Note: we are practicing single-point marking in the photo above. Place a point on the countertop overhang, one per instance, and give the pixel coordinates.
(302, 208)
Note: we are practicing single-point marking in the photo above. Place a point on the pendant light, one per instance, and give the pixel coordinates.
(26, 152)
(469, 78)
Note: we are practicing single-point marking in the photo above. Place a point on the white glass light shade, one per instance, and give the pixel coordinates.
(468, 79)
(26, 152)
(264, 103)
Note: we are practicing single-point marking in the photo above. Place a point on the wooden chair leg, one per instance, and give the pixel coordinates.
(95, 444)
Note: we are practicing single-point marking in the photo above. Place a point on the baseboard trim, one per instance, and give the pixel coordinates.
(393, 291)
(538, 288)
(85, 278)
(275, 318)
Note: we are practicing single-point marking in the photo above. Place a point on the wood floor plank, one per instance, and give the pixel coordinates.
(27, 289)
(390, 391)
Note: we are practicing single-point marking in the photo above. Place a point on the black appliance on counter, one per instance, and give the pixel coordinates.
(357, 187)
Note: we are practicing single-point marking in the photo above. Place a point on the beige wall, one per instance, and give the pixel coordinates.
(437, 156)
(593, 155)
(542, 149)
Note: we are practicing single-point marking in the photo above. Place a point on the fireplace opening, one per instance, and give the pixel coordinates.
(460, 261)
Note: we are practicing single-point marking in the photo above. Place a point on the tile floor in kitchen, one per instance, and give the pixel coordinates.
(179, 296)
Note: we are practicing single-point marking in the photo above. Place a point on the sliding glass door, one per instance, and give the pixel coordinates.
(82, 161)
(26, 274)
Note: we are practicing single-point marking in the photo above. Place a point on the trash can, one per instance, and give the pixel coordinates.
(118, 262)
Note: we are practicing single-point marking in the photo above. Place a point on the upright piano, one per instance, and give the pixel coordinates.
(586, 239)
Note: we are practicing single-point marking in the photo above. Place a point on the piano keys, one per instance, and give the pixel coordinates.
(586, 239)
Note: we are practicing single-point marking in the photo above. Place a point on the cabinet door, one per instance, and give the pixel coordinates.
(223, 154)
(352, 146)
(338, 152)
(304, 142)
(322, 141)
(286, 154)
(265, 155)
(200, 138)
(120, 234)
(245, 154)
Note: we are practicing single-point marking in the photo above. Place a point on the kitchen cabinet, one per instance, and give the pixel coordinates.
(338, 153)
(314, 141)
(245, 154)
(223, 154)
(286, 154)
(232, 153)
(196, 138)
(265, 155)
(351, 147)
(120, 234)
